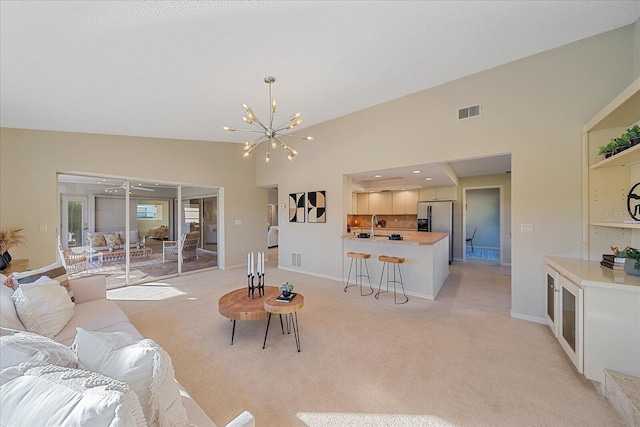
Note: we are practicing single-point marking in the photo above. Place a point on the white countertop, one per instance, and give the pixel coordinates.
(591, 273)
(417, 238)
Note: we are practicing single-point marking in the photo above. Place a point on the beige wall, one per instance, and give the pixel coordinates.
(637, 49)
(533, 108)
(30, 159)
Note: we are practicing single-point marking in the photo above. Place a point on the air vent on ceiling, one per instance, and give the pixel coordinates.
(465, 113)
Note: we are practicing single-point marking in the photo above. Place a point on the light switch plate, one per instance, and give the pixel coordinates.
(527, 228)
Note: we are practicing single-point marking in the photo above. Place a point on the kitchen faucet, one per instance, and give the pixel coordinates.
(374, 220)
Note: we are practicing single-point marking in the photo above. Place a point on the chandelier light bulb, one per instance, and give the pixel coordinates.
(274, 144)
(266, 159)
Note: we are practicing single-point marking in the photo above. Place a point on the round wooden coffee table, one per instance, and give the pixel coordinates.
(237, 305)
(290, 311)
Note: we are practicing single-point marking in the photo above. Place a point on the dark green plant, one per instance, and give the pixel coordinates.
(608, 148)
(631, 133)
(630, 253)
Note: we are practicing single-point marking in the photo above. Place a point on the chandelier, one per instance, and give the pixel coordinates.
(268, 131)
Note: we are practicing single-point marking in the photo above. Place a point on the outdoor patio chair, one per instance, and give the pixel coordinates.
(74, 262)
(189, 247)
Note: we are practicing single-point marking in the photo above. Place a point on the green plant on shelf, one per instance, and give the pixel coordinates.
(629, 252)
(628, 139)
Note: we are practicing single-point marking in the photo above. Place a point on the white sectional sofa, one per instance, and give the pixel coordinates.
(93, 312)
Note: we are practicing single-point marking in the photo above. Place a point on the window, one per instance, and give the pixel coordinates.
(151, 212)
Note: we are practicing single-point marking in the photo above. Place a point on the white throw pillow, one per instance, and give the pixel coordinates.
(143, 365)
(43, 306)
(55, 271)
(65, 397)
(26, 347)
(8, 315)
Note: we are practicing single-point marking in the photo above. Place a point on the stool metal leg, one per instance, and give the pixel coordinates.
(401, 284)
(367, 276)
(349, 275)
(384, 264)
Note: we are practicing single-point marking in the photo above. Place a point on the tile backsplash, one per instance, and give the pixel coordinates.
(392, 221)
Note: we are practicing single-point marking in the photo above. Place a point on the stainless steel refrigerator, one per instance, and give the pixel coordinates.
(437, 217)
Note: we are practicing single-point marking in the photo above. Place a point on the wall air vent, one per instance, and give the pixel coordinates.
(296, 260)
(468, 112)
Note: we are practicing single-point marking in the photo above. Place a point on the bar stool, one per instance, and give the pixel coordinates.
(360, 259)
(387, 262)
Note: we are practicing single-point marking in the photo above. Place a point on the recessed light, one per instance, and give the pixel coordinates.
(417, 171)
(377, 176)
(427, 179)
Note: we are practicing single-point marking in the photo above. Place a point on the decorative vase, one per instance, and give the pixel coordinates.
(285, 293)
(629, 267)
(5, 260)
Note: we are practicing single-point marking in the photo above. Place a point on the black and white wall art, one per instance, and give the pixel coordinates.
(317, 206)
(296, 207)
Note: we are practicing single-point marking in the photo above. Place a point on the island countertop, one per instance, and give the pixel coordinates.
(417, 238)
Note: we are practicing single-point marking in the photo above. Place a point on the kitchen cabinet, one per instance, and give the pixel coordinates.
(596, 315)
(363, 204)
(354, 203)
(405, 202)
(438, 193)
(374, 203)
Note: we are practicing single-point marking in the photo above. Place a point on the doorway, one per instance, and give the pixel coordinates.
(482, 224)
(73, 221)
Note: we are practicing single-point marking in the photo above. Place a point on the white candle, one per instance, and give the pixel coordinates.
(262, 262)
(252, 266)
(248, 264)
(259, 271)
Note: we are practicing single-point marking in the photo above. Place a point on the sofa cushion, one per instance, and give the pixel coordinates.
(96, 240)
(43, 306)
(143, 365)
(8, 314)
(65, 397)
(96, 315)
(113, 239)
(27, 347)
(55, 271)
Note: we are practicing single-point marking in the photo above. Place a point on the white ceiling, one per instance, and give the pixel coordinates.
(182, 69)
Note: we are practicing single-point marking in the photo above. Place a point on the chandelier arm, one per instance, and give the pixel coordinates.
(306, 137)
(246, 130)
(282, 144)
(289, 122)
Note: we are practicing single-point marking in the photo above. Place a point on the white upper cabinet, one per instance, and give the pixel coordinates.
(438, 193)
(405, 202)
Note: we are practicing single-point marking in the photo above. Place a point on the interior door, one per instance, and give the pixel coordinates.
(73, 218)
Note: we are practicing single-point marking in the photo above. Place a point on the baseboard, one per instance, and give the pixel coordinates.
(528, 318)
(324, 276)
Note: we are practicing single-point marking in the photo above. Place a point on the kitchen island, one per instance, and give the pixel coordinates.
(426, 256)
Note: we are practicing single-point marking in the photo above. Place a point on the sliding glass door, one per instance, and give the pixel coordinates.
(137, 231)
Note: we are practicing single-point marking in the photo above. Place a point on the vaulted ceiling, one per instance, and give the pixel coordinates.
(182, 69)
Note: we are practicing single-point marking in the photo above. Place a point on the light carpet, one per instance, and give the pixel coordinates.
(460, 360)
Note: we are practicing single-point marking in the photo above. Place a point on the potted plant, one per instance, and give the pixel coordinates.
(632, 135)
(607, 150)
(632, 261)
(286, 288)
(111, 247)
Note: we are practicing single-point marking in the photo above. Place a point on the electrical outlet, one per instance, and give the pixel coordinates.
(527, 228)
(238, 222)
(42, 227)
